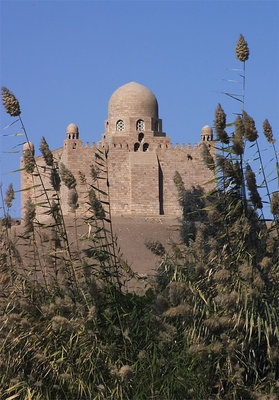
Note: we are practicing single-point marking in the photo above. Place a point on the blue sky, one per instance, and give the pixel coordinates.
(64, 59)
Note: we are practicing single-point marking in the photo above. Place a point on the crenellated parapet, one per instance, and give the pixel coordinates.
(141, 160)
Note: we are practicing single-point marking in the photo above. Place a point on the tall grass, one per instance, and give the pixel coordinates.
(69, 328)
(224, 280)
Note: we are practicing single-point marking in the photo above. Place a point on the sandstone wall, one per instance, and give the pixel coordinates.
(140, 183)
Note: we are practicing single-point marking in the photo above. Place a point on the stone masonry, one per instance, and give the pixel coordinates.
(140, 164)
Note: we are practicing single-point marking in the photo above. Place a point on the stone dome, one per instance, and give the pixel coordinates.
(206, 130)
(132, 100)
(72, 128)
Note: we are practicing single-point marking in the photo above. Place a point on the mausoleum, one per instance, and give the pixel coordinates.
(141, 160)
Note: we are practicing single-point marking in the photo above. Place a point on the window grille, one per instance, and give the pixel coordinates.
(140, 125)
(120, 125)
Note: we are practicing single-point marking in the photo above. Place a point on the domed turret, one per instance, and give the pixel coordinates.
(206, 133)
(72, 132)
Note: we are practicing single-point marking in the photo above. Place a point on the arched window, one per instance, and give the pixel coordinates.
(136, 146)
(140, 137)
(120, 125)
(140, 125)
(145, 146)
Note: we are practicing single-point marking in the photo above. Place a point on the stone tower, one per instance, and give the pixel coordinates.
(141, 159)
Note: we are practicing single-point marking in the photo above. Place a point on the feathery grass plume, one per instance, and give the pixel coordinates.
(226, 165)
(217, 348)
(220, 124)
(182, 310)
(268, 131)
(165, 336)
(197, 348)
(82, 178)
(126, 373)
(5, 279)
(179, 185)
(178, 292)
(155, 247)
(55, 211)
(258, 282)
(169, 329)
(29, 160)
(60, 323)
(29, 215)
(101, 388)
(142, 354)
(238, 145)
(207, 157)
(66, 377)
(94, 172)
(223, 275)
(253, 294)
(96, 205)
(252, 186)
(6, 221)
(266, 263)
(220, 161)
(10, 102)
(227, 299)
(226, 322)
(67, 177)
(220, 118)
(214, 216)
(10, 195)
(92, 312)
(274, 203)
(241, 49)
(251, 132)
(161, 304)
(241, 225)
(222, 136)
(55, 179)
(237, 173)
(47, 154)
(200, 239)
(73, 199)
(212, 324)
(245, 271)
